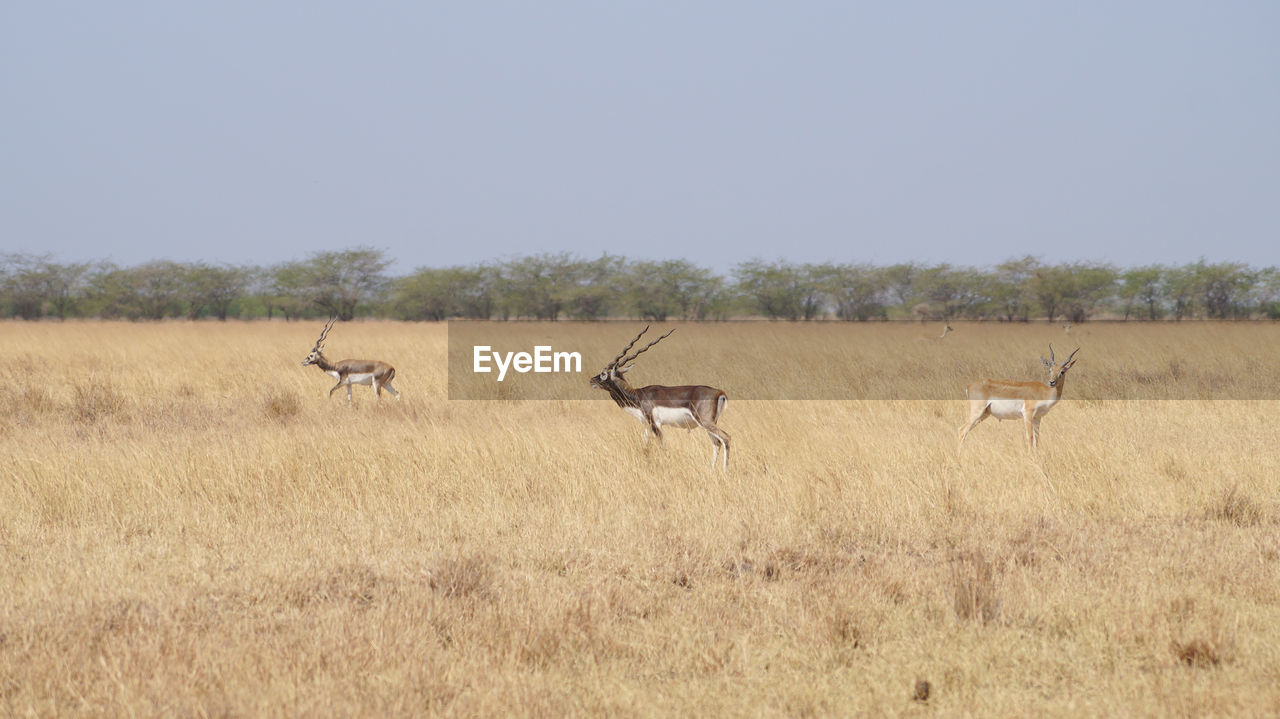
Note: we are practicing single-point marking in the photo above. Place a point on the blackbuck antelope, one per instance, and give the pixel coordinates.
(1066, 328)
(945, 329)
(1011, 399)
(349, 372)
(687, 407)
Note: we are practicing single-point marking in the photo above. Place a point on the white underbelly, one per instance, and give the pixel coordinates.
(1006, 408)
(361, 378)
(666, 416)
(1015, 408)
(674, 417)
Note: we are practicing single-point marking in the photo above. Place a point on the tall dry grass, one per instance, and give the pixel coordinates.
(189, 526)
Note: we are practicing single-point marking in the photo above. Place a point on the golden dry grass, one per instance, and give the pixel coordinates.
(188, 526)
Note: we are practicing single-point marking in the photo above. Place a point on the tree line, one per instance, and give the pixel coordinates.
(551, 286)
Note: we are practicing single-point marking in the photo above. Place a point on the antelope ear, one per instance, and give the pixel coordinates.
(621, 370)
(1046, 362)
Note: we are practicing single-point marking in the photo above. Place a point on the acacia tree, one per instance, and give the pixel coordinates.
(337, 282)
(1141, 286)
(949, 292)
(1050, 286)
(33, 286)
(1224, 288)
(1009, 291)
(658, 290)
(438, 294)
(22, 291)
(1266, 292)
(856, 291)
(157, 287)
(213, 288)
(900, 285)
(779, 290)
(1088, 285)
(595, 289)
(426, 294)
(537, 286)
(1181, 286)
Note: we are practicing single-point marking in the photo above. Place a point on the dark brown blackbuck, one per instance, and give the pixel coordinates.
(687, 407)
(1012, 399)
(349, 371)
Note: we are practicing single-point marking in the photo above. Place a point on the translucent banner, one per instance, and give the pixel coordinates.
(860, 361)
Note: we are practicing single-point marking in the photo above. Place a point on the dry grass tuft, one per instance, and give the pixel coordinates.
(97, 400)
(975, 585)
(1236, 508)
(354, 584)
(281, 405)
(31, 400)
(1199, 653)
(462, 578)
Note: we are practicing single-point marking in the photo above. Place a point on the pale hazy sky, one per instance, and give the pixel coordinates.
(452, 133)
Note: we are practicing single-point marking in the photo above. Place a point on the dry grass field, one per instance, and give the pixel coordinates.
(190, 527)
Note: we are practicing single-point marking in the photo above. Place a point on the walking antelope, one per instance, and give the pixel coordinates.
(349, 372)
(945, 329)
(687, 407)
(1011, 399)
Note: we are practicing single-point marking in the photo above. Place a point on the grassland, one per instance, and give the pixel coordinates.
(190, 527)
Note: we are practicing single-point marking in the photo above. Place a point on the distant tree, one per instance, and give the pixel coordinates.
(1181, 286)
(110, 293)
(439, 294)
(1089, 285)
(900, 286)
(948, 291)
(1141, 287)
(672, 288)
(1050, 287)
(478, 292)
(858, 292)
(426, 294)
(148, 291)
(1008, 288)
(66, 286)
(213, 288)
(1224, 288)
(286, 288)
(157, 288)
(336, 283)
(20, 292)
(538, 286)
(596, 289)
(775, 290)
(34, 285)
(1266, 292)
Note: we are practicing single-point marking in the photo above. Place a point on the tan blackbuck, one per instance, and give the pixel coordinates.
(687, 407)
(349, 372)
(945, 329)
(1011, 399)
